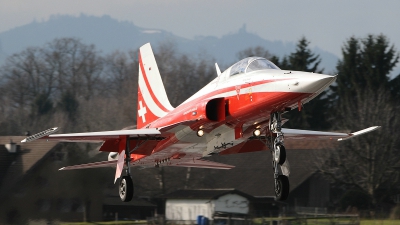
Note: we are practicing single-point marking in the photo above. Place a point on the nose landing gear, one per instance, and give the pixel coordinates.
(280, 154)
(281, 187)
(280, 164)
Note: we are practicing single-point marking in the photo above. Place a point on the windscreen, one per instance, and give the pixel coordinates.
(251, 64)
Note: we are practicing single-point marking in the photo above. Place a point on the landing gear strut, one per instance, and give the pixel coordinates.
(279, 162)
(126, 185)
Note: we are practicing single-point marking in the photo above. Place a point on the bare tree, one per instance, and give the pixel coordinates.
(78, 66)
(69, 83)
(367, 163)
(36, 80)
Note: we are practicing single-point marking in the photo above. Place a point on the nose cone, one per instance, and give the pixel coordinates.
(315, 83)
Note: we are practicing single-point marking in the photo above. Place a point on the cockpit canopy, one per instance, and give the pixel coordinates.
(251, 64)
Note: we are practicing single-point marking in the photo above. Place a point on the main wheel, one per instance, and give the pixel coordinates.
(126, 189)
(280, 154)
(281, 188)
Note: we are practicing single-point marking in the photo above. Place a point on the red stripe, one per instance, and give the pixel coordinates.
(272, 97)
(153, 96)
(229, 89)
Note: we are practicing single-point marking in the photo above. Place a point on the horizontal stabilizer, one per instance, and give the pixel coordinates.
(91, 165)
(199, 163)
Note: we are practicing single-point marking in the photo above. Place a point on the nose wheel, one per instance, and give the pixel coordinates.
(279, 162)
(281, 188)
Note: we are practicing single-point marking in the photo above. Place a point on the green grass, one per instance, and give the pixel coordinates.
(107, 223)
(258, 221)
(380, 222)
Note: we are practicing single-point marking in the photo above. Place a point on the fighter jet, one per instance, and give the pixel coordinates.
(239, 111)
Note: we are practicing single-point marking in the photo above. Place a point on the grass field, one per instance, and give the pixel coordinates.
(107, 223)
(309, 222)
(324, 221)
(380, 222)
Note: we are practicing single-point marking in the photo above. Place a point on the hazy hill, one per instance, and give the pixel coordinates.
(108, 35)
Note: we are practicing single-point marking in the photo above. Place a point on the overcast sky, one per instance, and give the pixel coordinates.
(326, 23)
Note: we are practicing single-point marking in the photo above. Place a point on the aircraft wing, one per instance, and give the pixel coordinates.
(318, 135)
(201, 163)
(100, 164)
(96, 137)
(197, 163)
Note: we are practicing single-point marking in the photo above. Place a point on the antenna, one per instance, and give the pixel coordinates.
(218, 70)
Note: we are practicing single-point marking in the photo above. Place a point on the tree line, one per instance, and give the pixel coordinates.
(365, 169)
(73, 85)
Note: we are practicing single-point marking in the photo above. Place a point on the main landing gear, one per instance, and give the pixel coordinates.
(126, 185)
(126, 189)
(280, 165)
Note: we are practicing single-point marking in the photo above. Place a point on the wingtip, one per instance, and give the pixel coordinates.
(62, 168)
(40, 135)
(358, 133)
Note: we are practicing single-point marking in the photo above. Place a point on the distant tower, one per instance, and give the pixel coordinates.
(1, 50)
(243, 29)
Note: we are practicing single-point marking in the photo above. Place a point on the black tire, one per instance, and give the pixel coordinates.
(282, 188)
(282, 157)
(126, 189)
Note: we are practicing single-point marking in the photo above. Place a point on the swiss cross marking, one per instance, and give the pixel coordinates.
(142, 111)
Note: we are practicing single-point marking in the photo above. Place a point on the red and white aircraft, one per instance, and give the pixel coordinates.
(239, 111)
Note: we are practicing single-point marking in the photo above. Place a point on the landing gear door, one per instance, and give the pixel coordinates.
(285, 168)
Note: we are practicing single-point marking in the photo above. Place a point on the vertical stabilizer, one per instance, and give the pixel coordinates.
(152, 102)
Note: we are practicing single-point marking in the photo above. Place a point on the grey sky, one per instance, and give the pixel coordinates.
(326, 23)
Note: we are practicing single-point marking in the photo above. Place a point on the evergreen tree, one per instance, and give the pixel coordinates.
(366, 65)
(361, 98)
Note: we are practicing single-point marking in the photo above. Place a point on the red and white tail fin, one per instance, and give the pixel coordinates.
(152, 102)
